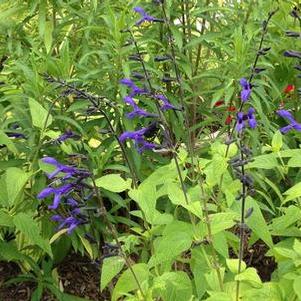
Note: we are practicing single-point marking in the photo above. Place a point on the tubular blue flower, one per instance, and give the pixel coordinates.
(135, 89)
(15, 135)
(251, 118)
(240, 122)
(246, 90)
(139, 138)
(243, 118)
(144, 16)
(67, 135)
(293, 124)
(166, 105)
(137, 111)
(70, 222)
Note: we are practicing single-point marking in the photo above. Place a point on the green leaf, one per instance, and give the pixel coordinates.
(233, 265)
(250, 276)
(15, 180)
(219, 297)
(173, 286)
(110, 268)
(277, 142)
(294, 162)
(6, 220)
(257, 223)
(222, 221)
(293, 193)
(264, 161)
(39, 115)
(26, 225)
(48, 35)
(4, 139)
(113, 182)
(297, 287)
(127, 282)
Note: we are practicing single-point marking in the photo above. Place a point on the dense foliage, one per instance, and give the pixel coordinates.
(159, 138)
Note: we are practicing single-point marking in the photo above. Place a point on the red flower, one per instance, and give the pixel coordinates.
(229, 119)
(288, 89)
(219, 103)
(231, 109)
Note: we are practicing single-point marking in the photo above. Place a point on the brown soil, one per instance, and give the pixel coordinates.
(77, 274)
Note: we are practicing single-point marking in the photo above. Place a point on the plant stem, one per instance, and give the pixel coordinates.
(242, 221)
(113, 232)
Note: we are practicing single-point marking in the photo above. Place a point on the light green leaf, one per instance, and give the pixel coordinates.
(39, 115)
(222, 221)
(26, 225)
(15, 180)
(48, 30)
(277, 142)
(113, 182)
(293, 193)
(110, 268)
(233, 265)
(173, 286)
(250, 276)
(264, 161)
(4, 139)
(127, 283)
(297, 287)
(294, 162)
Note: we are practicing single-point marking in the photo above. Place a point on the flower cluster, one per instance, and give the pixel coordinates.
(244, 119)
(71, 180)
(141, 136)
(293, 124)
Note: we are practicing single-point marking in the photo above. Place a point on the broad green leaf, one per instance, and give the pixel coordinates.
(26, 225)
(277, 142)
(4, 139)
(15, 180)
(294, 161)
(233, 265)
(222, 221)
(257, 223)
(113, 182)
(127, 282)
(6, 220)
(48, 35)
(250, 276)
(293, 193)
(219, 297)
(40, 116)
(173, 286)
(264, 161)
(297, 287)
(111, 266)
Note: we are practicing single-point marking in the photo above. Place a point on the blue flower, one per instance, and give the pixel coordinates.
(70, 222)
(67, 135)
(246, 90)
(166, 105)
(293, 124)
(242, 118)
(136, 110)
(144, 16)
(135, 89)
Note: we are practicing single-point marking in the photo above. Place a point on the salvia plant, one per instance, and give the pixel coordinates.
(158, 141)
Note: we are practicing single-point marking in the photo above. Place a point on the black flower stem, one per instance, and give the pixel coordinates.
(168, 131)
(95, 102)
(113, 231)
(264, 31)
(242, 217)
(181, 90)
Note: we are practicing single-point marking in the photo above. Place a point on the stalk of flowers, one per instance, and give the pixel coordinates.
(68, 185)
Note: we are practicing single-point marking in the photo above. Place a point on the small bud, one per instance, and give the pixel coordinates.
(249, 212)
(162, 58)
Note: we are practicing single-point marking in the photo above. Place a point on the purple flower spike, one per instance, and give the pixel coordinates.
(137, 111)
(46, 192)
(293, 124)
(145, 17)
(135, 89)
(67, 135)
(240, 122)
(251, 118)
(246, 90)
(166, 105)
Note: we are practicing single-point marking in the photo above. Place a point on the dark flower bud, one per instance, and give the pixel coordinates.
(249, 212)
(167, 79)
(292, 53)
(137, 75)
(125, 30)
(264, 24)
(264, 51)
(292, 34)
(135, 57)
(162, 58)
(258, 70)
(295, 13)
(251, 192)
(298, 67)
